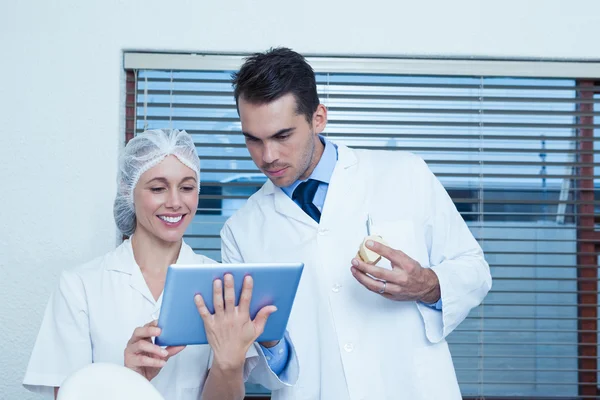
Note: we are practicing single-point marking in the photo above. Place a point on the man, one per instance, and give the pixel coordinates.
(361, 331)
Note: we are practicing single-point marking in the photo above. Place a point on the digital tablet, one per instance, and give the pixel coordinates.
(179, 320)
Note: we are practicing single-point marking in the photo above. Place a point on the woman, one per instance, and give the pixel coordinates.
(106, 310)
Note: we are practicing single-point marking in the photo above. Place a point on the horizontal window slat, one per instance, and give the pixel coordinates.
(529, 382)
(538, 356)
(540, 343)
(388, 110)
(426, 136)
(486, 240)
(441, 174)
(381, 123)
(510, 153)
(427, 149)
(528, 331)
(487, 369)
(336, 96)
(321, 80)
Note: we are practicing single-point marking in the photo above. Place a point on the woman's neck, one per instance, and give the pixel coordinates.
(152, 254)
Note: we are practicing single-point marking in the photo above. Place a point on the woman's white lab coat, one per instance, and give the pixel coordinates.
(352, 343)
(92, 314)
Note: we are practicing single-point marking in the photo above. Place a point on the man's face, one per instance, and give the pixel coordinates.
(282, 143)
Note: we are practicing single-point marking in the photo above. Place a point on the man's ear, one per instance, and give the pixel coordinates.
(319, 119)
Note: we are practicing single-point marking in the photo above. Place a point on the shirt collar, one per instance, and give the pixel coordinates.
(324, 168)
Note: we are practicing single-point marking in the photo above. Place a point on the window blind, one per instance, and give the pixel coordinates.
(518, 155)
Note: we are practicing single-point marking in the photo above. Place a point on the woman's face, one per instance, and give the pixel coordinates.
(165, 200)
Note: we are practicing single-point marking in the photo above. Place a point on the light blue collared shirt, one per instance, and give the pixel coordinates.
(323, 172)
(277, 356)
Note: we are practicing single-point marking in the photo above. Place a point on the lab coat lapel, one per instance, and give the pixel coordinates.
(344, 194)
(137, 281)
(286, 206)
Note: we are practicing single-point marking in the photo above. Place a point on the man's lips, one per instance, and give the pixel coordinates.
(275, 172)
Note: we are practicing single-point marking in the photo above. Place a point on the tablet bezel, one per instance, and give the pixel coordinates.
(274, 283)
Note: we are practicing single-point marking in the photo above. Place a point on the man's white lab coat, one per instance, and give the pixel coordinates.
(352, 343)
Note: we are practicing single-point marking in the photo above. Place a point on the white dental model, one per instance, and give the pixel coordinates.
(365, 254)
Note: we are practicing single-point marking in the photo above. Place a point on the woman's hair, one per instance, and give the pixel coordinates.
(142, 153)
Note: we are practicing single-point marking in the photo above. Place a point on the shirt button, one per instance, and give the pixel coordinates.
(280, 351)
(323, 231)
(268, 358)
(336, 288)
(348, 347)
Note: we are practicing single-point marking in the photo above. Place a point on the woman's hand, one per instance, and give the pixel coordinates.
(230, 331)
(143, 356)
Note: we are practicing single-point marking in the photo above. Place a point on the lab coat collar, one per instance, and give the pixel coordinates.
(124, 262)
(346, 159)
(123, 259)
(286, 206)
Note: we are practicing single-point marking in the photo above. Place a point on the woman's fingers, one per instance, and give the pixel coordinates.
(218, 296)
(141, 360)
(246, 295)
(144, 332)
(229, 293)
(145, 347)
(261, 319)
(202, 309)
(173, 350)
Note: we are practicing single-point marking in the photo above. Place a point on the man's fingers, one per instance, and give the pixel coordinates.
(246, 296)
(397, 257)
(373, 285)
(388, 296)
(373, 270)
(261, 318)
(229, 293)
(368, 282)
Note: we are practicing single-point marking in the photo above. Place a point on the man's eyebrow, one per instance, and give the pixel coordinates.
(278, 133)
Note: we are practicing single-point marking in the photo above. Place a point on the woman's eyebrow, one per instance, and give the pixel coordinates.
(188, 178)
(158, 178)
(165, 180)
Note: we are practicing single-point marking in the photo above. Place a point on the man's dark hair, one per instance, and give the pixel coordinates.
(265, 77)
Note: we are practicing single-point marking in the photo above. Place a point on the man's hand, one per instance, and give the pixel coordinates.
(407, 281)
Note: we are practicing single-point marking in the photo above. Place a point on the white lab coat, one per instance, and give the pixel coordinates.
(352, 343)
(93, 313)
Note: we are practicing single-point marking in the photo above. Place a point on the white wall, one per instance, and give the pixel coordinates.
(61, 103)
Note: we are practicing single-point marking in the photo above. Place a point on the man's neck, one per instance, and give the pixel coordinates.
(318, 153)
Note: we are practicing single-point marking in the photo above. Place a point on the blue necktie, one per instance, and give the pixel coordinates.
(304, 195)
